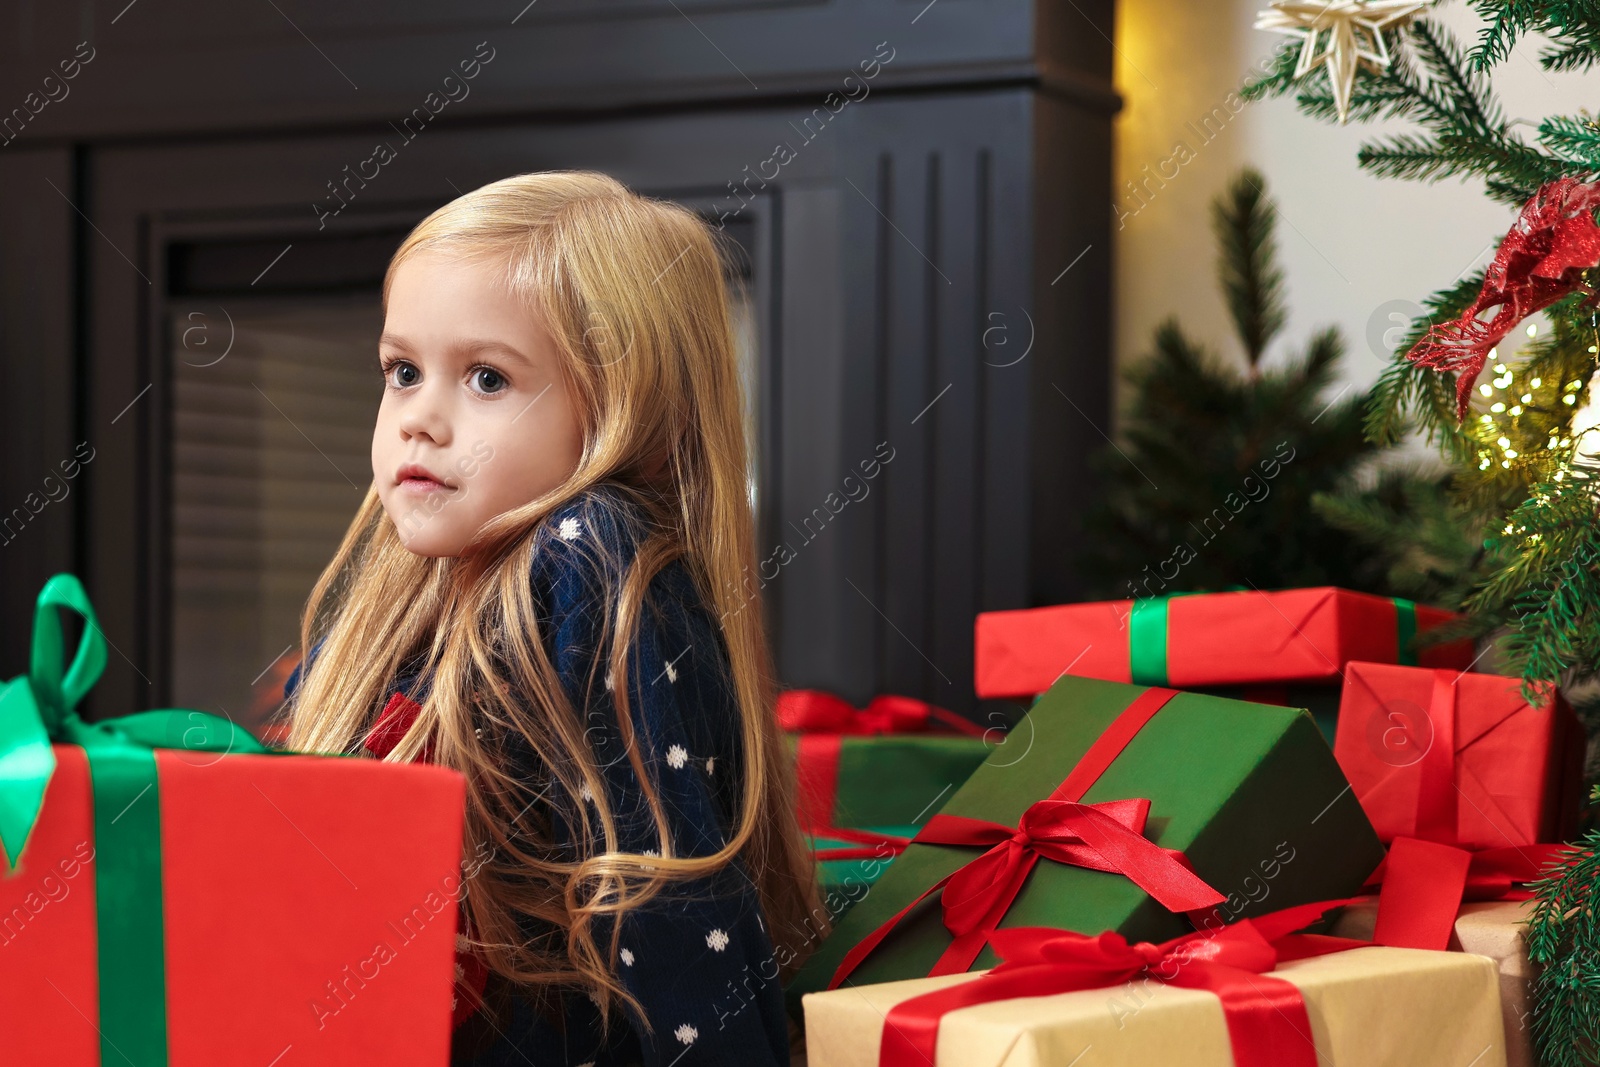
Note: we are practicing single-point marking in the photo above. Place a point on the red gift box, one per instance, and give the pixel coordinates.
(172, 894)
(308, 907)
(1204, 639)
(1458, 758)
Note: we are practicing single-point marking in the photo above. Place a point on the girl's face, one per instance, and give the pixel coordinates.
(476, 417)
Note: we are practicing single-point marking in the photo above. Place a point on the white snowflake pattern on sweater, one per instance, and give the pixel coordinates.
(717, 939)
(686, 1034)
(677, 756)
(569, 529)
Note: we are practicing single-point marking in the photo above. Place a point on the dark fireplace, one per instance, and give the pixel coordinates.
(916, 201)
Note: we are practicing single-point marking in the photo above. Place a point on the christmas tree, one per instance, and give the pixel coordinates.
(1517, 461)
(1505, 399)
(1237, 476)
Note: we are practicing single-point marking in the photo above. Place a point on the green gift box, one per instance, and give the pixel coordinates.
(850, 860)
(883, 781)
(1087, 807)
(1322, 701)
(868, 777)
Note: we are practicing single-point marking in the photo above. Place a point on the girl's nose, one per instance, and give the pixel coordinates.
(426, 414)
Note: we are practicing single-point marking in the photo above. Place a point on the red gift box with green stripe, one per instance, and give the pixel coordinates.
(176, 894)
(1198, 640)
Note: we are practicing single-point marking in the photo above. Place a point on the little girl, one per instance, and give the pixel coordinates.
(544, 590)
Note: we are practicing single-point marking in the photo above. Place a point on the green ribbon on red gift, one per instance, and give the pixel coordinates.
(1105, 836)
(822, 721)
(1147, 637)
(37, 710)
(1266, 1016)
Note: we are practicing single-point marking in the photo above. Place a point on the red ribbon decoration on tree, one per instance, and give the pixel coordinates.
(1553, 239)
(824, 719)
(1266, 1017)
(1104, 837)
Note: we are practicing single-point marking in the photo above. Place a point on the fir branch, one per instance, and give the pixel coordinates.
(1507, 21)
(1406, 394)
(1408, 156)
(1462, 93)
(1575, 141)
(1243, 221)
(1563, 939)
(1566, 56)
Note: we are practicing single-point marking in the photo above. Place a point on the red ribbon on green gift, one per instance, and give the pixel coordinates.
(1266, 1017)
(823, 720)
(1106, 836)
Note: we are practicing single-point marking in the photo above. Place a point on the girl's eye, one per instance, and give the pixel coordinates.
(487, 380)
(402, 374)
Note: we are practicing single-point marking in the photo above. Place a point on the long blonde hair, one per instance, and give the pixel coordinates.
(631, 290)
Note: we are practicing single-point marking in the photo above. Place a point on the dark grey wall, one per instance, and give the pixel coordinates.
(909, 260)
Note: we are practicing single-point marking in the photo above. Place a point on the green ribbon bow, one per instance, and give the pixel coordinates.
(36, 710)
(1147, 637)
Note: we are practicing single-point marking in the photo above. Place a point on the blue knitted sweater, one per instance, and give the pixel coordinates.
(698, 957)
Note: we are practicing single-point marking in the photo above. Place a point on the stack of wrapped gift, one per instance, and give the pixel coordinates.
(176, 893)
(1128, 874)
(868, 777)
(1473, 787)
(1287, 648)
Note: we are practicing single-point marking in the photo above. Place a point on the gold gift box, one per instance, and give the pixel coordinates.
(1484, 928)
(1369, 1007)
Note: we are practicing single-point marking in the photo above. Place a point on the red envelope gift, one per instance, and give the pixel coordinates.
(1458, 758)
(1189, 641)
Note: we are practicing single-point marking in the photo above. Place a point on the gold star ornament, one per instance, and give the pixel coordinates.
(1341, 33)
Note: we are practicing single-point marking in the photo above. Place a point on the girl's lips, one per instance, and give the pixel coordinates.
(418, 484)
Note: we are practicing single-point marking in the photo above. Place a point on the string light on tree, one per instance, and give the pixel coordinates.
(1352, 29)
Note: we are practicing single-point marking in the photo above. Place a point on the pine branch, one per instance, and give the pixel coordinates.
(1406, 394)
(1563, 939)
(1570, 56)
(1243, 221)
(1575, 141)
(1466, 97)
(1507, 21)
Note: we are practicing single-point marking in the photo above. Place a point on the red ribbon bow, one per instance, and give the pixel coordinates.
(1266, 1017)
(824, 719)
(1106, 836)
(817, 712)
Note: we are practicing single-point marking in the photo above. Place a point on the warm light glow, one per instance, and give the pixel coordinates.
(1497, 407)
